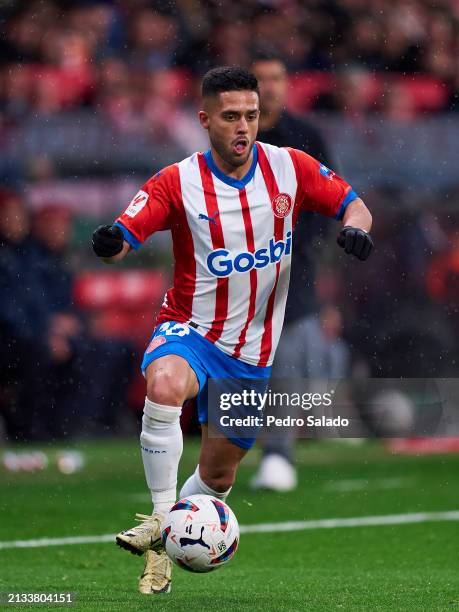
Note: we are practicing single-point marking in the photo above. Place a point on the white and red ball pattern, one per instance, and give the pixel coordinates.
(200, 533)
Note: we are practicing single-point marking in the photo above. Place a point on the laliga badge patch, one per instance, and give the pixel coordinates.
(155, 343)
(326, 172)
(282, 205)
(137, 203)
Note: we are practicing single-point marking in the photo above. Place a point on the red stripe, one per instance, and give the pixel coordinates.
(180, 296)
(253, 273)
(218, 242)
(273, 190)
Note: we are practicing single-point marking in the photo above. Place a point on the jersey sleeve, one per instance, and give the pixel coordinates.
(319, 188)
(149, 210)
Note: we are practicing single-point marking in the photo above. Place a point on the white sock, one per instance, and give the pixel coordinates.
(161, 443)
(195, 485)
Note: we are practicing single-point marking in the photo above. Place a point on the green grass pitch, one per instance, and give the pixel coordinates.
(392, 567)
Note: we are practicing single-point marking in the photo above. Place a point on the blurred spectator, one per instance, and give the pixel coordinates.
(442, 279)
(316, 350)
(399, 105)
(23, 318)
(353, 93)
(383, 296)
(91, 374)
(171, 115)
(301, 343)
(58, 380)
(153, 39)
(312, 349)
(16, 91)
(62, 50)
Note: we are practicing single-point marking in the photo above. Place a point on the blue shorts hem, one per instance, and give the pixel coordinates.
(245, 443)
(176, 348)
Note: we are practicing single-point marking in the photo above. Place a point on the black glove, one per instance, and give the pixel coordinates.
(355, 241)
(107, 240)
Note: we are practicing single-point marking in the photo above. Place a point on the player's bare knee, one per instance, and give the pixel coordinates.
(164, 387)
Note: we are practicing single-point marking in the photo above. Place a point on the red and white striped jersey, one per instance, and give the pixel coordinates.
(232, 241)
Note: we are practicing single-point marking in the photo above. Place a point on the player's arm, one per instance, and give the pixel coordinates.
(322, 190)
(357, 215)
(148, 212)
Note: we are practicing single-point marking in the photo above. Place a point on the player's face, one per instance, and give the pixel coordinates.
(231, 119)
(272, 81)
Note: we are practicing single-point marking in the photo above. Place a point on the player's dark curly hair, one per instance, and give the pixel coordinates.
(228, 78)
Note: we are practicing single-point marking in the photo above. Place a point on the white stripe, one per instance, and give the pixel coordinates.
(284, 173)
(234, 237)
(203, 308)
(360, 521)
(263, 230)
(57, 541)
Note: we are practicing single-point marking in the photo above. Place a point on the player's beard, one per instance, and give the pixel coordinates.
(227, 154)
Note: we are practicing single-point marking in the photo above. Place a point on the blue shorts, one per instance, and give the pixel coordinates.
(207, 361)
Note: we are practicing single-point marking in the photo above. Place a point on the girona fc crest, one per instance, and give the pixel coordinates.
(282, 205)
(155, 343)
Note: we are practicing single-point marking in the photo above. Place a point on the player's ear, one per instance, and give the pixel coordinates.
(204, 119)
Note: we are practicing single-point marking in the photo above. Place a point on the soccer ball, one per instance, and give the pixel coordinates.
(200, 533)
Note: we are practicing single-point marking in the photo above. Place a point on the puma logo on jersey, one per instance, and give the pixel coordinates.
(211, 219)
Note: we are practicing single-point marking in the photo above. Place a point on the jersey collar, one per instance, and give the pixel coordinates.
(229, 180)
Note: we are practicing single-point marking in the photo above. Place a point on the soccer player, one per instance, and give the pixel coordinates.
(231, 211)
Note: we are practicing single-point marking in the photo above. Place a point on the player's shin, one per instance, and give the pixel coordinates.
(195, 485)
(161, 444)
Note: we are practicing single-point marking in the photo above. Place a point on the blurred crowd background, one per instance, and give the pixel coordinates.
(97, 96)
